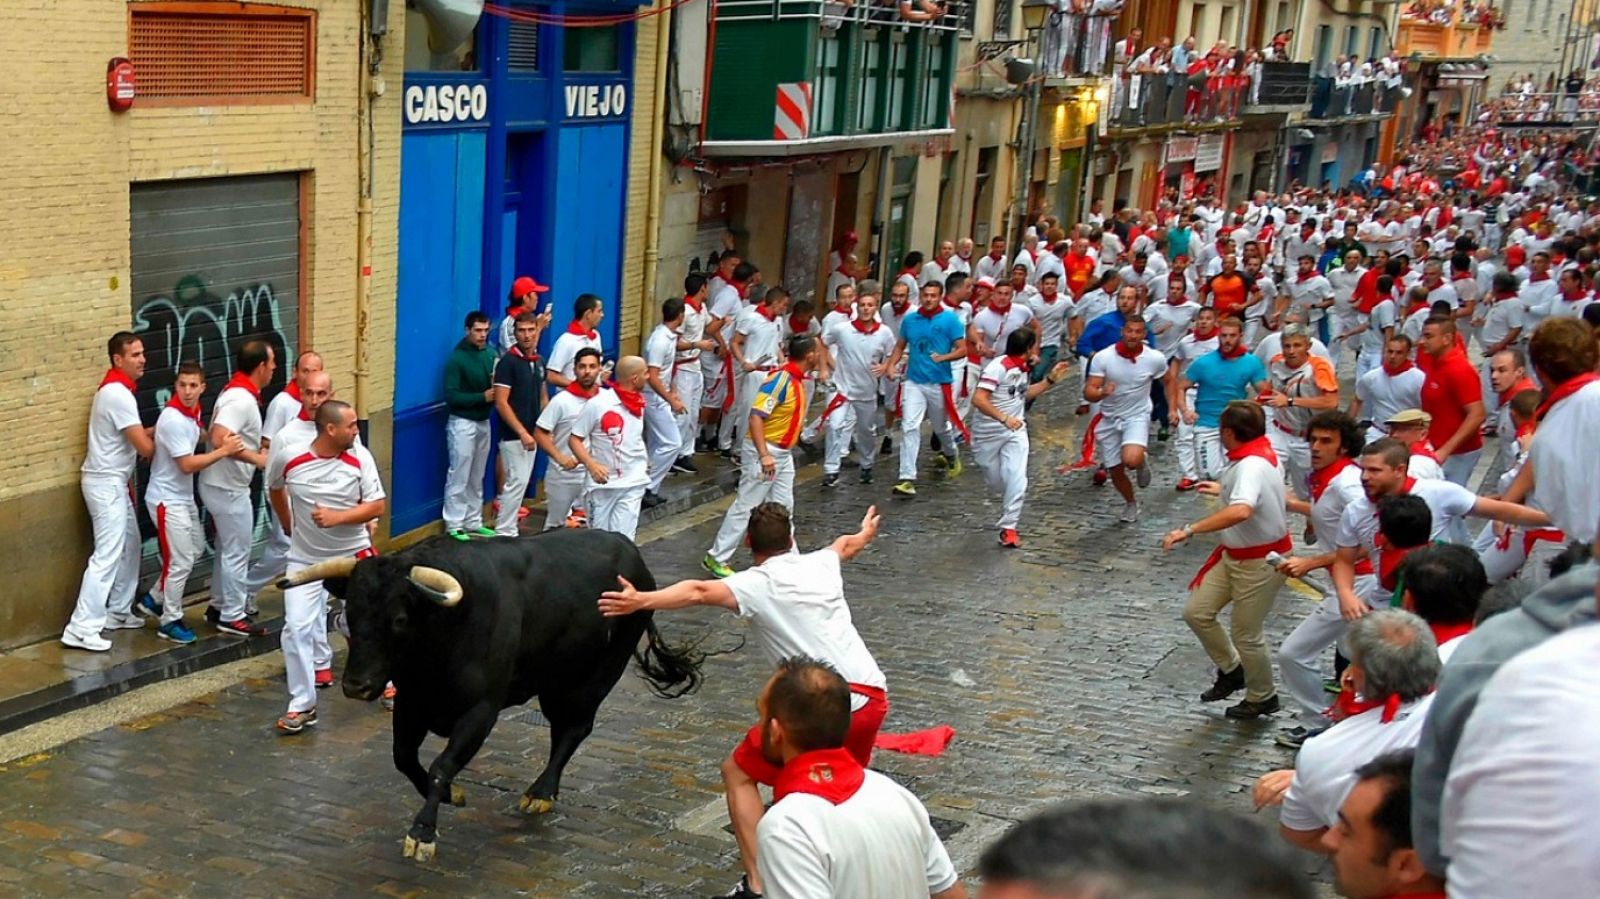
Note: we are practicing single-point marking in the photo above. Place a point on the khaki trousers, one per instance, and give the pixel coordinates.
(1251, 586)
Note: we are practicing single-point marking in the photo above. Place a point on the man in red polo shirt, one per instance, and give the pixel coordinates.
(1453, 396)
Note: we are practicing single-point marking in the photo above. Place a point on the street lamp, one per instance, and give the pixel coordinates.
(1034, 13)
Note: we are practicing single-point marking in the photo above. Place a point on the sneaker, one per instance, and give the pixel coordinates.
(124, 622)
(886, 448)
(1226, 684)
(458, 534)
(1144, 475)
(93, 643)
(324, 678)
(388, 697)
(1009, 538)
(244, 627)
(577, 518)
(1130, 513)
(523, 512)
(830, 480)
(175, 632)
(482, 531)
(295, 722)
(1295, 737)
(941, 461)
(1101, 476)
(1187, 484)
(934, 443)
(866, 475)
(685, 465)
(651, 500)
(1250, 709)
(716, 568)
(1163, 434)
(905, 488)
(955, 467)
(147, 606)
(741, 890)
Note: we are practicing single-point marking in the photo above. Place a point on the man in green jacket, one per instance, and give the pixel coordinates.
(469, 393)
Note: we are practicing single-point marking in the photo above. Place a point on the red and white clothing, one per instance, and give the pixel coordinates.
(1566, 468)
(856, 347)
(611, 426)
(1358, 526)
(1001, 452)
(1199, 448)
(225, 491)
(688, 378)
(1051, 313)
(1451, 386)
(1381, 318)
(563, 489)
(1538, 297)
(717, 370)
(1169, 322)
(1325, 769)
(1309, 293)
(993, 267)
(284, 409)
(1384, 391)
(1286, 425)
(564, 354)
(169, 499)
(661, 438)
(995, 325)
(763, 339)
(935, 270)
(1125, 414)
(1346, 317)
(112, 573)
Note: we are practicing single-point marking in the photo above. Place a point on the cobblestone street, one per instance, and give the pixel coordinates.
(1064, 668)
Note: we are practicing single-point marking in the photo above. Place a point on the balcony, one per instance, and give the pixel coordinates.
(1450, 34)
(1284, 87)
(791, 77)
(1331, 99)
(1166, 102)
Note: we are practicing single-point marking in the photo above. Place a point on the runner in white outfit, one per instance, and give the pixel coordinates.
(566, 480)
(225, 486)
(1119, 380)
(284, 408)
(1203, 339)
(663, 404)
(999, 431)
(860, 348)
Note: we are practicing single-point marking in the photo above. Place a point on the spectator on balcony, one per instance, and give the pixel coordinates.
(1278, 50)
(921, 10)
(1123, 53)
(1252, 70)
(1178, 63)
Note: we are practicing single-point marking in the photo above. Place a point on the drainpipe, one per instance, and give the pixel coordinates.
(885, 264)
(371, 87)
(652, 219)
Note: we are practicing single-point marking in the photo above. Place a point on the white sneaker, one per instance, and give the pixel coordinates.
(129, 622)
(1144, 474)
(94, 643)
(1130, 513)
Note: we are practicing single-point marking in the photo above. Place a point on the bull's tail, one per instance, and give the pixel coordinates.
(670, 671)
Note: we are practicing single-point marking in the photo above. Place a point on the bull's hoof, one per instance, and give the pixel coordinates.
(533, 805)
(417, 850)
(458, 796)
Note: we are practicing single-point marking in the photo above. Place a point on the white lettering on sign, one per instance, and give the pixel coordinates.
(596, 101)
(445, 103)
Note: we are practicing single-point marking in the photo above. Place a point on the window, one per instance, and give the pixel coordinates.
(522, 46)
(1352, 40)
(1225, 29)
(935, 90)
(871, 85)
(1375, 45)
(592, 49)
(1002, 19)
(1324, 48)
(895, 117)
(1282, 21)
(240, 54)
(825, 112)
(422, 56)
(1197, 21)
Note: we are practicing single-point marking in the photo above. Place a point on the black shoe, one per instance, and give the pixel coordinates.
(935, 443)
(1295, 737)
(866, 475)
(886, 448)
(810, 448)
(1163, 434)
(741, 890)
(1226, 684)
(213, 615)
(730, 454)
(651, 500)
(830, 480)
(685, 465)
(1251, 709)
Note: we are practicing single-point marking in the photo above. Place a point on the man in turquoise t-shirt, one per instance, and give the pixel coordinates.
(1220, 377)
(930, 339)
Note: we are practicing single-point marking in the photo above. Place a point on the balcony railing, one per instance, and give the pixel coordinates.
(1145, 101)
(1281, 84)
(1582, 108)
(1460, 40)
(1076, 46)
(833, 14)
(1332, 99)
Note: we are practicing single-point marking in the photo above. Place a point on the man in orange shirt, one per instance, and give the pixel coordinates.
(1229, 289)
(1080, 266)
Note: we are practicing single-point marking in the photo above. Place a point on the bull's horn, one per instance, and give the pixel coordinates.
(318, 572)
(441, 586)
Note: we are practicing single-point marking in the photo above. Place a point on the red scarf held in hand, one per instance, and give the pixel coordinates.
(242, 380)
(1321, 478)
(632, 400)
(576, 390)
(1130, 355)
(832, 774)
(576, 327)
(865, 327)
(1563, 391)
(192, 411)
(115, 376)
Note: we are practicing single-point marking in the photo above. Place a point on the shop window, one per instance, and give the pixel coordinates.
(224, 53)
(899, 62)
(935, 90)
(424, 53)
(871, 85)
(825, 112)
(593, 49)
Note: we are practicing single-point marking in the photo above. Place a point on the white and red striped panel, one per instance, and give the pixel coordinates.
(792, 118)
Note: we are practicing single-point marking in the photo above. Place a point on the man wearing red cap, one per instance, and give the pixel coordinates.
(524, 298)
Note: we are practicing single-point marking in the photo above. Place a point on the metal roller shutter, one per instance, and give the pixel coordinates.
(215, 262)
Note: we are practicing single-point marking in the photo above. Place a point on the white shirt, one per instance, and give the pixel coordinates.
(993, 269)
(333, 482)
(693, 330)
(660, 352)
(558, 418)
(1131, 398)
(761, 339)
(176, 436)
(239, 411)
(1448, 502)
(1149, 279)
(878, 843)
(1344, 281)
(1095, 303)
(1007, 384)
(1518, 809)
(1538, 301)
(933, 272)
(795, 604)
(1566, 467)
(1271, 347)
(836, 280)
(1325, 769)
(615, 439)
(1049, 262)
(854, 355)
(110, 453)
(1052, 316)
(1382, 316)
(995, 328)
(1382, 395)
(1169, 322)
(284, 408)
(1253, 481)
(564, 355)
(1328, 509)
(1309, 295)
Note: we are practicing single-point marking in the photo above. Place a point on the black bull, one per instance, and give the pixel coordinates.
(467, 629)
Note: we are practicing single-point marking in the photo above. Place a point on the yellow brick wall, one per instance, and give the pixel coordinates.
(64, 245)
(640, 307)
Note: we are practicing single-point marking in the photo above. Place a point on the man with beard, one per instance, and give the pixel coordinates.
(565, 479)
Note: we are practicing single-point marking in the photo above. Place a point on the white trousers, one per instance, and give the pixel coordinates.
(814, 396)
(274, 560)
(730, 434)
(965, 386)
(234, 519)
(1200, 455)
(181, 539)
(518, 461)
(1301, 656)
(615, 508)
(1500, 563)
(689, 381)
(563, 490)
(755, 488)
(304, 639)
(468, 444)
(112, 572)
(661, 439)
(1458, 468)
(936, 402)
(1294, 453)
(850, 422)
(1004, 460)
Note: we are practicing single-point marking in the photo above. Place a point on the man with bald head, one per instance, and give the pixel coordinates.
(608, 440)
(285, 408)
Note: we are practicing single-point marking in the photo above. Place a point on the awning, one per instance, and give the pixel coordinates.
(1462, 74)
(727, 148)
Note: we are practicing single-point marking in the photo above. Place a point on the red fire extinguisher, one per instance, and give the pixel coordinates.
(119, 84)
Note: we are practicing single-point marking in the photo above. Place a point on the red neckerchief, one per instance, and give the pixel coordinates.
(577, 391)
(1504, 295)
(302, 414)
(1573, 297)
(1545, 276)
(1563, 391)
(517, 351)
(293, 390)
(632, 400)
(954, 306)
(240, 379)
(1235, 353)
(1014, 362)
(996, 257)
(833, 774)
(1001, 311)
(1130, 355)
(1049, 297)
(1398, 370)
(865, 327)
(943, 266)
(1204, 335)
(693, 303)
(1444, 633)
(1321, 478)
(515, 311)
(1424, 449)
(116, 376)
(1432, 284)
(1524, 384)
(906, 271)
(900, 311)
(1418, 306)
(1348, 706)
(1260, 447)
(925, 313)
(192, 411)
(1431, 894)
(1462, 276)
(1301, 279)
(764, 312)
(576, 327)
(797, 327)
